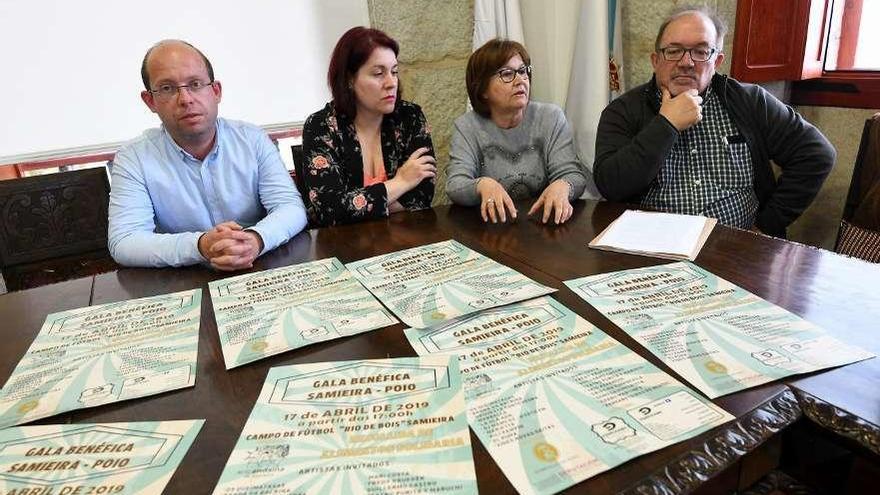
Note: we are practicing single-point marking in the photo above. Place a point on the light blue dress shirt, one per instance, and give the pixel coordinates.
(162, 199)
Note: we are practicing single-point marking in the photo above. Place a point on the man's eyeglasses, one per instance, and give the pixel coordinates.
(507, 74)
(168, 91)
(698, 54)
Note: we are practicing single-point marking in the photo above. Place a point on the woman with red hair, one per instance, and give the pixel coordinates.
(367, 153)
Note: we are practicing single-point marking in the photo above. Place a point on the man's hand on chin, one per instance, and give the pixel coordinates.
(683, 110)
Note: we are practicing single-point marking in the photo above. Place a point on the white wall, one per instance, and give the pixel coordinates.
(71, 68)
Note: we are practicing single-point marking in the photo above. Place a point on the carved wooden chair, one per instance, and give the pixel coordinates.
(859, 234)
(54, 227)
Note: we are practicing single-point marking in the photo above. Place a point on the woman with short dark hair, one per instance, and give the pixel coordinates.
(509, 147)
(367, 153)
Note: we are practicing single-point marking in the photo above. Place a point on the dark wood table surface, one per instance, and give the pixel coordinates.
(834, 292)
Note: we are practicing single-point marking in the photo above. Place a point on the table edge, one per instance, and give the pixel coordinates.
(839, 421)
(723, 449)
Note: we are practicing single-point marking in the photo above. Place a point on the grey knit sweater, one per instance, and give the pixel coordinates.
(525, 159)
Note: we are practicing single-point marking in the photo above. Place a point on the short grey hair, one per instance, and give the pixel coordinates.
(703, 10)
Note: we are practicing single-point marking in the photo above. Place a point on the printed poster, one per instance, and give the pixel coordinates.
(93, 459)
(555, 400)
(98, 355)
(716, 335)
(389, 426)
(266, 313)
(427, 285)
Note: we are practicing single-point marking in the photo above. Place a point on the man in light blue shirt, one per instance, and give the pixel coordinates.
(199, 188)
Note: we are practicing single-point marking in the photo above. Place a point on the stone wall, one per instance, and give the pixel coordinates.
(843, 127)
(435, 42)
(640, 21)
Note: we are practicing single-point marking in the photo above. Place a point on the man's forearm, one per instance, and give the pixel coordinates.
(625, 166)
(147, 249)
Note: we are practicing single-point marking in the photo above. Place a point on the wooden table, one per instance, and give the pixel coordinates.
(834, 292)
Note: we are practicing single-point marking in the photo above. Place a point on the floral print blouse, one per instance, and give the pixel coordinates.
(333, 170)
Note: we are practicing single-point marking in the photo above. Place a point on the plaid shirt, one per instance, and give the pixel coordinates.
(708, 171)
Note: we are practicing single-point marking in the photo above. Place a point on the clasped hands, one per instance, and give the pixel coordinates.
(228, 247)
(495, 203)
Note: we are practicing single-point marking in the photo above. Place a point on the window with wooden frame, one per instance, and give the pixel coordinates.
(829, 48)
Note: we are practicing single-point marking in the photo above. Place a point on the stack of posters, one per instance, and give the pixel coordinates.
(716, 335)
(661, 235)
(391, 426)
(266, 313)
(92, 459)
(555, 400)
(101, 354)
(427, 285)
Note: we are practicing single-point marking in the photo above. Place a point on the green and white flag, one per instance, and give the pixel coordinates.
(266, 313)
(716, 335)
(390, 426)
(555, 400)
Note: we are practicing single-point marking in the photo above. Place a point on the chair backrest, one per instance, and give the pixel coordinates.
(863, 200)
(298, 169)
(53, 215)
(855, 241)
(859, 233)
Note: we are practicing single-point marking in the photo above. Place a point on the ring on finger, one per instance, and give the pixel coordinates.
(490, 200)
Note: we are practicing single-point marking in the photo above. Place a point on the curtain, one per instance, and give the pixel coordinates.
(588, 86)
(596, 75)
(497, 19)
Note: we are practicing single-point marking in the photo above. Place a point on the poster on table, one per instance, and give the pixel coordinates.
(93, 459)
(555, 400)
(390, 426)
(427, 285)
(266, 313)
(97, 355)
(716, 335)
